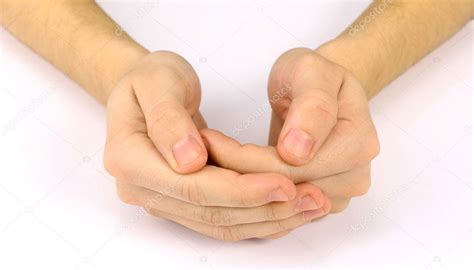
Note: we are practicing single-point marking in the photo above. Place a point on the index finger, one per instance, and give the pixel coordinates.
(143, 166)
(338, 154)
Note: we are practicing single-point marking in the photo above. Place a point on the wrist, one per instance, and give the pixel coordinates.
(359, 58)
(118, 58)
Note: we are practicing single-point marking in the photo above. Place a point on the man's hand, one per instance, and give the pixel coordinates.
(321, 123)
(167, 91)
(152, 140)
(151, 136)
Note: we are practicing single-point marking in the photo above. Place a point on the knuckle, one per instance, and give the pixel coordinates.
(286, 170)
(242, 199)
(283, 234)
(190, 191)
(362, 187)
(373, 145)
(228, 234)
(370, 146)
(280, 226)
(169, 54)
(126, 196)
(323, 105)
(153, 72)
(113, 162)
(327, 107)
(270, 212)
(152, 211)
(164, 111)
(307, 60)
(339, 206)
(163, 115)
(277, 235)
(213, 216)
(327, 71)
(336, 70)
(167, 69)
(246, 201)
(239, 196)
(109, 162)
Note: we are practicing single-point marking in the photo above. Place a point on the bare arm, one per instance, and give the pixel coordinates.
(75, 36)
(321, 122)
(153, 148)
(392, 35)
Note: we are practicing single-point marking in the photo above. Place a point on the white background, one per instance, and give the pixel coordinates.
(58, 208)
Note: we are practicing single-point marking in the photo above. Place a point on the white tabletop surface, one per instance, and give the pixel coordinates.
(58, 208)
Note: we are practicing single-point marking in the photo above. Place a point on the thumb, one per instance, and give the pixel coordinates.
(309, 106)
(228, 153)
(169, 113)
(310, 118)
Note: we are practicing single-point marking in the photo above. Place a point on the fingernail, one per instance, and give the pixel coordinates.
(312, 214)
(306, 203)
(186, 151)
(277, 196)
(299, 143)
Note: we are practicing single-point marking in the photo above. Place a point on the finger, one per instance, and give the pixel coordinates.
(339, 205)
(309, 121)
(169, 104)
(308, 197)
(137, 162)
(313, 86)
(276, 235)
(244, 231)
(338, 154)
(124, 115)
(350, 184)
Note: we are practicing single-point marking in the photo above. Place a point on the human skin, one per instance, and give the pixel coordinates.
(70, 35)
(320, 97)
(154, 149)
(317, 93)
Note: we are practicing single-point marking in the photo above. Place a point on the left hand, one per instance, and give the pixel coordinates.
(321, 126)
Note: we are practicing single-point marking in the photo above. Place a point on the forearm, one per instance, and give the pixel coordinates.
(75, 36)
(392, 35)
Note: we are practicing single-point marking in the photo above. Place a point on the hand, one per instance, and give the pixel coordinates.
(150, 128)
(321, 125)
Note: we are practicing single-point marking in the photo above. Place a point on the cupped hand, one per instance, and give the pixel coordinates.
(156, 154)
(321, 126)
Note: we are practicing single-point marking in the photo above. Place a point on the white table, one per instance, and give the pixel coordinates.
(58, 208)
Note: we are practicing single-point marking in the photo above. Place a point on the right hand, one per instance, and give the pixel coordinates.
(155, 152)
